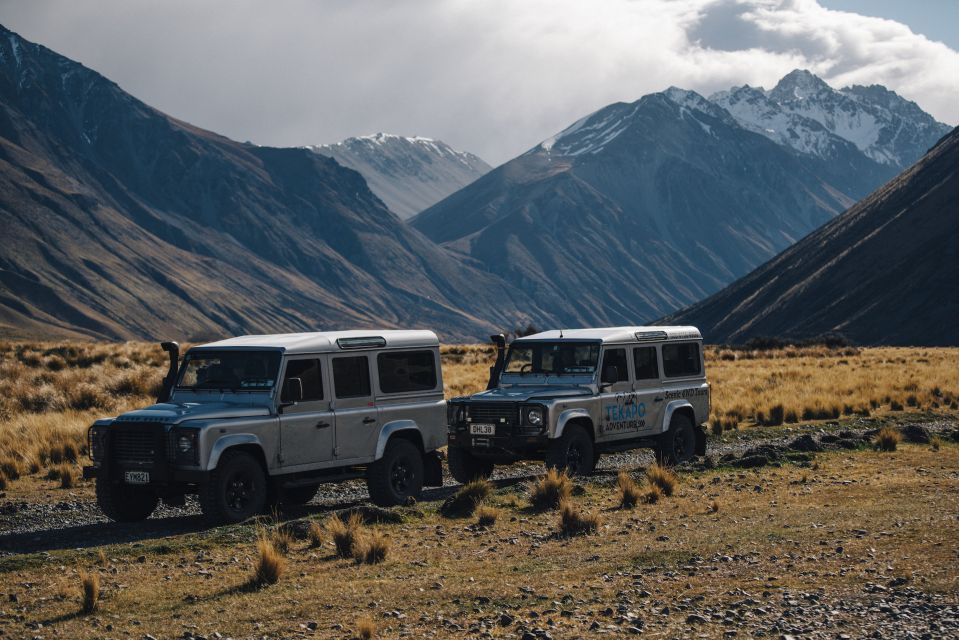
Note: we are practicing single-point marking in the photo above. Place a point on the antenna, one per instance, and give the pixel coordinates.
(560, 333)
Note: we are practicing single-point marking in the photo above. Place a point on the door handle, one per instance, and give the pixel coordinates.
(322, 425)
(658, 399)
(368, 420)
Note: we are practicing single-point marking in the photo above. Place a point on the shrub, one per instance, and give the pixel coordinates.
(888, 439)
(10, 468)
(90, 586)
(776, 415)
(912, 400)
(371, 548)
(629, 493)
(365, 628)
(344, 534)
(663, 478)
(486, 516)
(550, 490)
(574, 523)
(270, 563)
(315, 534)
(465, 501)
(653, 494)
(895, 406)
(791, 416)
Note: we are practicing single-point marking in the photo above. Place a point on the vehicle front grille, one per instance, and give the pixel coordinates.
(493, 412)
(137, 444)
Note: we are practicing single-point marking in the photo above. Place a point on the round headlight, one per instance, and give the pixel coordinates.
(184, 443)
(534, 417)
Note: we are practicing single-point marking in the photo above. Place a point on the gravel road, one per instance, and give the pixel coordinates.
(29, 527)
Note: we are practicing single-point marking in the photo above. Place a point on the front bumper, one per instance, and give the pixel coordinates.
(510, 446)
(167, 477)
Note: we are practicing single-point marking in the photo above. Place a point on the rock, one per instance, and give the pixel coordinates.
(915, 433)
(371, 514)
(695, 618)
(506, 620)
(805, 443)
(751, 462)
(297, 529)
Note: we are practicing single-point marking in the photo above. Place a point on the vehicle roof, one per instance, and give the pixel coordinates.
(324, 341)
(617, 334)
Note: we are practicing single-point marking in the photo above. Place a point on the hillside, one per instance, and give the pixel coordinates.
(122, 222)
(885, 272)
(407, 174)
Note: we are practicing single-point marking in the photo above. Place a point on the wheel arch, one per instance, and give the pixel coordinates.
(405, 429)
(578, 417)
(238, 442)
(677, 407)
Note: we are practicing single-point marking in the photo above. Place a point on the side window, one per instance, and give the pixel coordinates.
(616, 358)
(308, 371)
(681, 359)
(645, 363)
(351, 377)
(401, 371)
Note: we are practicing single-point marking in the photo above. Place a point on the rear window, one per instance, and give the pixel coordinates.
(351, 377)
(405, 371)
(681, 359)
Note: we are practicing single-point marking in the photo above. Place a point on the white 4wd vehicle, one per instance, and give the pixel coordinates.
(255, 420)
(565, 397)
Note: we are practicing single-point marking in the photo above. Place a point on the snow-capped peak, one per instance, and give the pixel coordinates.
(798, 84)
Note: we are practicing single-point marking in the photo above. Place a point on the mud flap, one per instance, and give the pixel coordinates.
(700, 440)
(432, 470)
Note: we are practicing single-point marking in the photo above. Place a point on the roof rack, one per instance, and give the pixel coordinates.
(650, 336)
(369, 342)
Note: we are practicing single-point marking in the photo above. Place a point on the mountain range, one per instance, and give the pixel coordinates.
(642, 208)
(884, 272)
(407, 174)
(122, 222)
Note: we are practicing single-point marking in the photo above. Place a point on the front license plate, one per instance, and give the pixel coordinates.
(137, 477)
(483, 429)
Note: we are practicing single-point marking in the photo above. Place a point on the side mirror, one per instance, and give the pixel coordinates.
(610, 375)
(292, 392)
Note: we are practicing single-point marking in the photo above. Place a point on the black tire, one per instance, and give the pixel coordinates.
(397, 477)
(236, 490)
(573, 452)
(678, 445)
(124, 502)
(299, 495)
(465, 467)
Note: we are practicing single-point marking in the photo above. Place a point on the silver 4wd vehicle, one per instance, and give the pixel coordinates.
(258, 420)
(566, 397)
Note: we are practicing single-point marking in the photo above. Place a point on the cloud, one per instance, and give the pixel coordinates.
(490, 76)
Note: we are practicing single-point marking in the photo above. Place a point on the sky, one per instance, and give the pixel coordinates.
(493, 77)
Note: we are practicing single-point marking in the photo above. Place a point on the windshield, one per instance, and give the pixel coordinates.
(552, 358)
(229, 370)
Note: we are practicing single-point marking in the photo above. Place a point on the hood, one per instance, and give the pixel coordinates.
(174, 413)
(522, 394)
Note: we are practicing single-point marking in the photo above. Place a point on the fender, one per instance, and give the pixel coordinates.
(224, 443)
(389, 429)
(566, 416)
(670, 410)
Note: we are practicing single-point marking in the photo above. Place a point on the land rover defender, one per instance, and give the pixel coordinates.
(258, 420)
(566, 397)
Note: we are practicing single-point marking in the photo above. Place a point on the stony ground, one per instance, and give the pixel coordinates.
(802, 532)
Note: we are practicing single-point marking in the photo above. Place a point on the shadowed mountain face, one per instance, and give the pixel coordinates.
(884, 272)
(636, 210)
(119, 221)
(407, 174)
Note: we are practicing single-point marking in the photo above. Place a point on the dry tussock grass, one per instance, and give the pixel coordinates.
(270, 563)
(465, 501)
(486, 517)
(344, 535)
(90, 590)
(365, 628)
(662, 478)
(629, 493)
(371, 548)
(550, 491)
(573, 522)
(888, 439)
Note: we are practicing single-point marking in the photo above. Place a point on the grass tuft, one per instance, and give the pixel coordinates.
(653, 494)
(551, 490)
(465, 501)
(371, 548)
(90, 586)
(888, 439)
(315, 534)
(714, 506)
(629, 493)
(270, 563)
(344, 534)
(486, 516)
(365, 628)
(663, 478)
(935, 442)
(572, 522)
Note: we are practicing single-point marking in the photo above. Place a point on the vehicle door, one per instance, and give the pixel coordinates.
(306, 428)
(648, 386)
(618, 410)
(354, 410)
